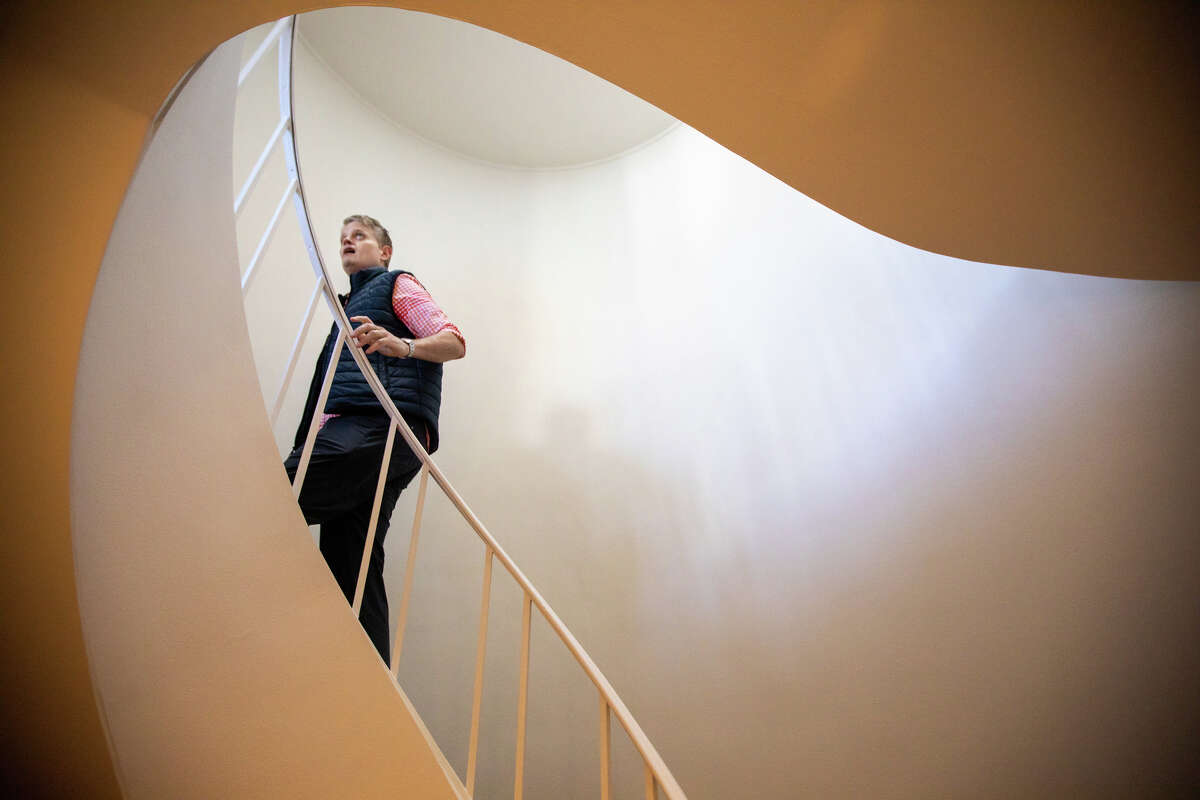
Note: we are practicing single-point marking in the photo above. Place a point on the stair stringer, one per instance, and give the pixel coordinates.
(225, 660)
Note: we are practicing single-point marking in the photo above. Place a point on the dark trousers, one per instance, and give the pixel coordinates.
(338, 492)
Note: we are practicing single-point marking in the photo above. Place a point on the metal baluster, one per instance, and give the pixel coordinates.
(477, 702)
(262, 48)
(295, 354)
(370, 542)
(522, 701)
(402, 620)
(605, 750)
(315, 423)
(267, 236)
(252, 178)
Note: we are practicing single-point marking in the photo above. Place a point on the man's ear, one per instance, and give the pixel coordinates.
(385, 253)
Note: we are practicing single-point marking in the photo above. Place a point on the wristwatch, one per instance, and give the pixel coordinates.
(408, 342)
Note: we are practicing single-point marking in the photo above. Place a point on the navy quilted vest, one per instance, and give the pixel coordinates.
(415, 386)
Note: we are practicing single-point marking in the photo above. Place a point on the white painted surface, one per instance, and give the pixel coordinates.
(479, 93)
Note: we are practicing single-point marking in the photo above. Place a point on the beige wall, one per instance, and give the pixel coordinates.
(80, 85)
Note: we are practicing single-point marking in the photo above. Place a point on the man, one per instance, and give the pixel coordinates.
(407, 338)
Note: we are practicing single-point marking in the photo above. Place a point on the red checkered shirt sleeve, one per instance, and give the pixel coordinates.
(418, 311)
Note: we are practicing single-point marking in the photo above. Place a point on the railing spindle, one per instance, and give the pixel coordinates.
(262, 48)
(402, 620)
(481, 649)
(523, 699)
(656, 772)
(252, 178)
(294, 357)
(314, 424)
(605, 750)
(373, 524)
(266, 237)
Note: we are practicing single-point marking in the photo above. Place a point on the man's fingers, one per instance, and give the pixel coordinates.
(368, 335)
(362, 330)
(371, 339)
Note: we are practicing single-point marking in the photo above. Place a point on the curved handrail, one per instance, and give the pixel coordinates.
(656, 770)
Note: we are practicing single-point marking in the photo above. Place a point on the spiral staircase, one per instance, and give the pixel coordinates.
(107, 694)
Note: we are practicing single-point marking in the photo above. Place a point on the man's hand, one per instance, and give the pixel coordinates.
(441, 347)
(375, 339)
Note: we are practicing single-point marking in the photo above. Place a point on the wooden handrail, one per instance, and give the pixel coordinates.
(657, 776)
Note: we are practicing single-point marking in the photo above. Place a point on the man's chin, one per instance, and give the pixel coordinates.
(351, 267)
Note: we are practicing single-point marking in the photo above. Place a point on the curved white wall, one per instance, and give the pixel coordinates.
(836, 516)
(224, 662)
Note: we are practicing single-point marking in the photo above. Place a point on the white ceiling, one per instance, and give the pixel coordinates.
(477, 92)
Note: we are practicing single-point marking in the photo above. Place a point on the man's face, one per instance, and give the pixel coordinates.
(360, 249)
